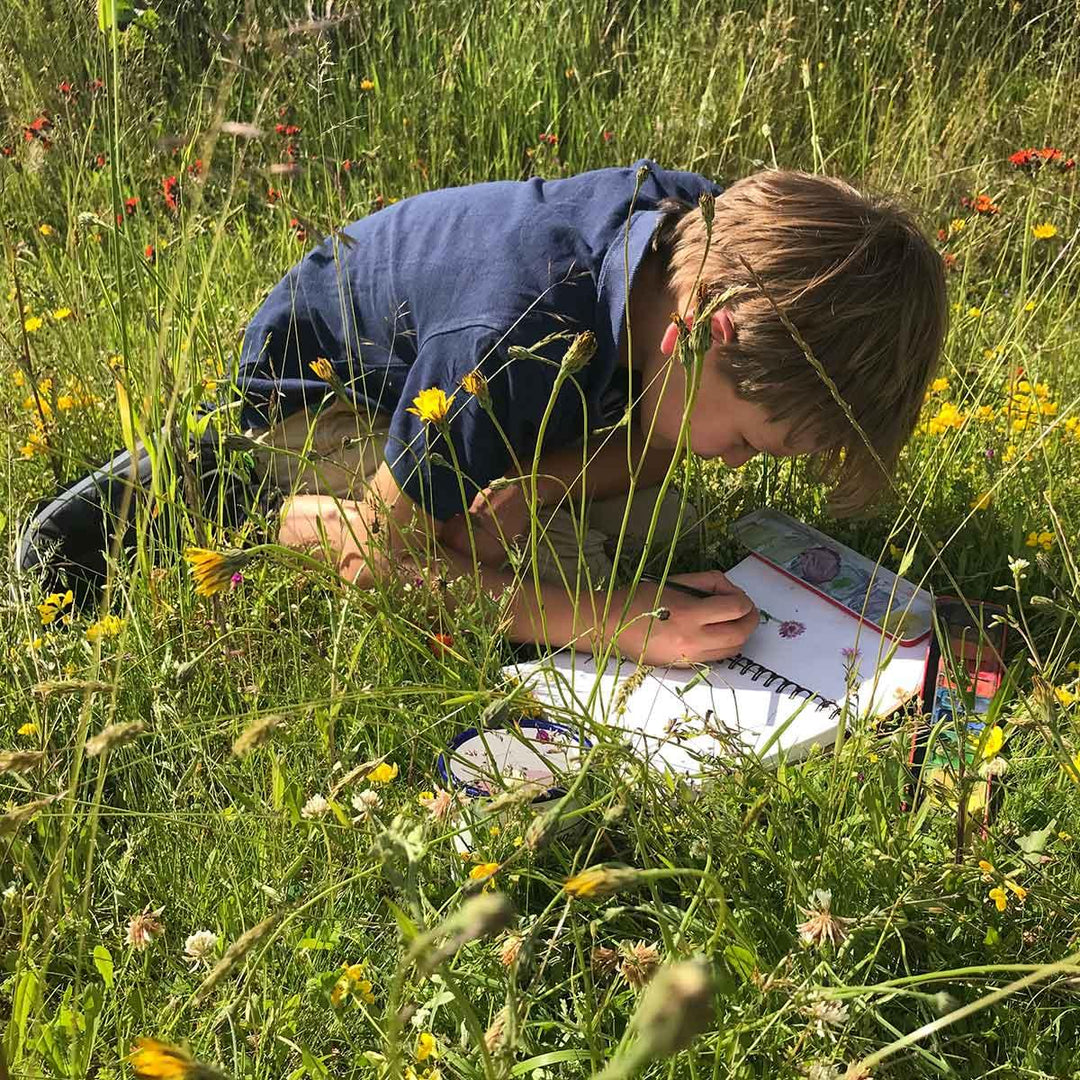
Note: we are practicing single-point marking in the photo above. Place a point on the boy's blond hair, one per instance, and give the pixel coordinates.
(857, 278)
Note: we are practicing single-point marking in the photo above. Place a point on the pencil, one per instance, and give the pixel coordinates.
(701, 594)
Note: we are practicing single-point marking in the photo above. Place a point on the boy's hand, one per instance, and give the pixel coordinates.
(698, 630)
(491, 511)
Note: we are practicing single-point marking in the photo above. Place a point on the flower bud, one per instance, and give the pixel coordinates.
(676, 1006)
(581, 351)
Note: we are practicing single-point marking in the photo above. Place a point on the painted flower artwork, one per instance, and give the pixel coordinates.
(791, 628)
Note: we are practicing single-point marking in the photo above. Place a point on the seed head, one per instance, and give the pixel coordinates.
(255, 734)
(582, 350)
(114, 736)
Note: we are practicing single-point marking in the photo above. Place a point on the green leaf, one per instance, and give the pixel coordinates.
(408, 928)
(1034, 844)
(118, 13)
(103, 961)
(905, 562)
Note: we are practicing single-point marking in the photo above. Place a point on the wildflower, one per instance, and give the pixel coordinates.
(640, 963)
(548, 139)
(35, 322)
(315, 807)
(938, 385)
(46, 229)
(170, 188)
(65, 88)
(985, 413)
(366, 802)
(439, 803)
(53, 605)
(957, 225)
(1044, 231)
(821, 1013)
(272, 195)
(821, 924)
(581, 351)
(510, 948)
(366, 84)
(983, 501)
(153, 1060)
(439, 644)
(255, 734)
(298, 229)
(352, 984)
(426, 1046)
(607, 136)
(484, 872)
(144, 927)
(948, 417)
(950, 262)
(1030, 305)
(323, 368)
(431, 405)
(114, 736)
(1066, 696)
(61, 313)
(213, 570)
(993, 742)
(1044, 539)
(604, 960)
(105, 627)
(975, 312)
(474, 383)
(199, 948)
(1000, 898)
(983, 204)
(131, 204)
(28, 729)
(598, 881)
(383, 773)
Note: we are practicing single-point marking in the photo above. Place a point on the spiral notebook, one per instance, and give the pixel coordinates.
(808, 665)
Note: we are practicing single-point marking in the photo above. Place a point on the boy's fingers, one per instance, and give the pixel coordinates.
(712, 581)
(725, 608)
(726, 638)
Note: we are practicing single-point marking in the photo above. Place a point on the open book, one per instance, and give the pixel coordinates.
(810, 663)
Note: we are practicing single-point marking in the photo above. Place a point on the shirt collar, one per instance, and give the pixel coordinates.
(611, 286)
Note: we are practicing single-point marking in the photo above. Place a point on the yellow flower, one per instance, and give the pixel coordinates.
(28, 729)
(995, 738)
(35, 444)
(1009, 454)
(1042, 390)
(46, 229)
(382, 774)
(998, 895)
(153, 1060)
(213, 570)
(1030, 305)
(322, 367)
(1066, 696)
(939, 384)
(599, 881)
(985, 413)
(35, 322)
(367, 84)
(106, 626)
(483, 871)
(983, 501)
(957, 225)
(62, 313)
(986, 867)
(1044, 539)
(1044, 231)
(975, 312)
(1064, 836)
(352, 984)
(896, 552)
(53, 605)
(474, 383)
(431, 405)
(426, 1046)
(1017, 890)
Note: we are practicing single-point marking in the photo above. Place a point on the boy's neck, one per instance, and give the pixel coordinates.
(648, 312)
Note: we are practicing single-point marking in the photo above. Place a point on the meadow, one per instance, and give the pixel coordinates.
(222, 826)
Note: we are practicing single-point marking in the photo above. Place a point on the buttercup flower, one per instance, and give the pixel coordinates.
(484, 872)
(1044, 231)
(382, 773)
(367, 84)
(431, 405)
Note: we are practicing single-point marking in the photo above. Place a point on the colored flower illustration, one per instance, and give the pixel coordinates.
(791, 628)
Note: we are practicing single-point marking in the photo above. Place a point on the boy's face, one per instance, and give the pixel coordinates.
(722, 424)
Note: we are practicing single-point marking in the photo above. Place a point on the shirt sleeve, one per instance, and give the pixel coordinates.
(444, 478)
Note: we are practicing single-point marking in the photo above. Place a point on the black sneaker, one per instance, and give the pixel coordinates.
(68, 536)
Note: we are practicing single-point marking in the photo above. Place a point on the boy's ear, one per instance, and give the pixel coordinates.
(723, 331)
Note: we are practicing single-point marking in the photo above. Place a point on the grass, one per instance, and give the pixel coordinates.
(928, 101)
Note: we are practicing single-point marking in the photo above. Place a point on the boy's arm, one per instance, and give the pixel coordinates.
(693, 629)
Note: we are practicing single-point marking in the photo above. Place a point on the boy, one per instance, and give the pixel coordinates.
(402, 337)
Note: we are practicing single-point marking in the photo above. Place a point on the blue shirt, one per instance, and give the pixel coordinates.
(441, 283)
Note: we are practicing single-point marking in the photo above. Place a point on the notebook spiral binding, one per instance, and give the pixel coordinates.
(773, 680)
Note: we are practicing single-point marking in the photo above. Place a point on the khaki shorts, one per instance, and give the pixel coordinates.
(342, 449)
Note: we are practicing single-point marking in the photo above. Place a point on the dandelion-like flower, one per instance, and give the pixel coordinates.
(382, 773)
(144, 927)
(199, 948)
(323, 368)
(791, 628)
(821, 924)
(604, 960)
(213, 570)
(640, 963)
(599, 881)
(153, 1060)
(431, 405)
(315, 807)
(474, 383)
(1044, 231)
(581, 351)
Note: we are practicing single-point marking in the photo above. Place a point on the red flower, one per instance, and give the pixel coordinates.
(608, 136)
(95, 85)
(272, 196)
(549, 139)
(7, 151)
(119, 220)
(292, 151)
(170, 187)
(99, 162)
(66, 89)
(942, 235)
(346, 165)
(131, 204)
(1033, 160)
(949, 260)
(1068, 163)
(36, 129)
(298, 230)
(150, 253)
(439, 643)
(982, 204)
